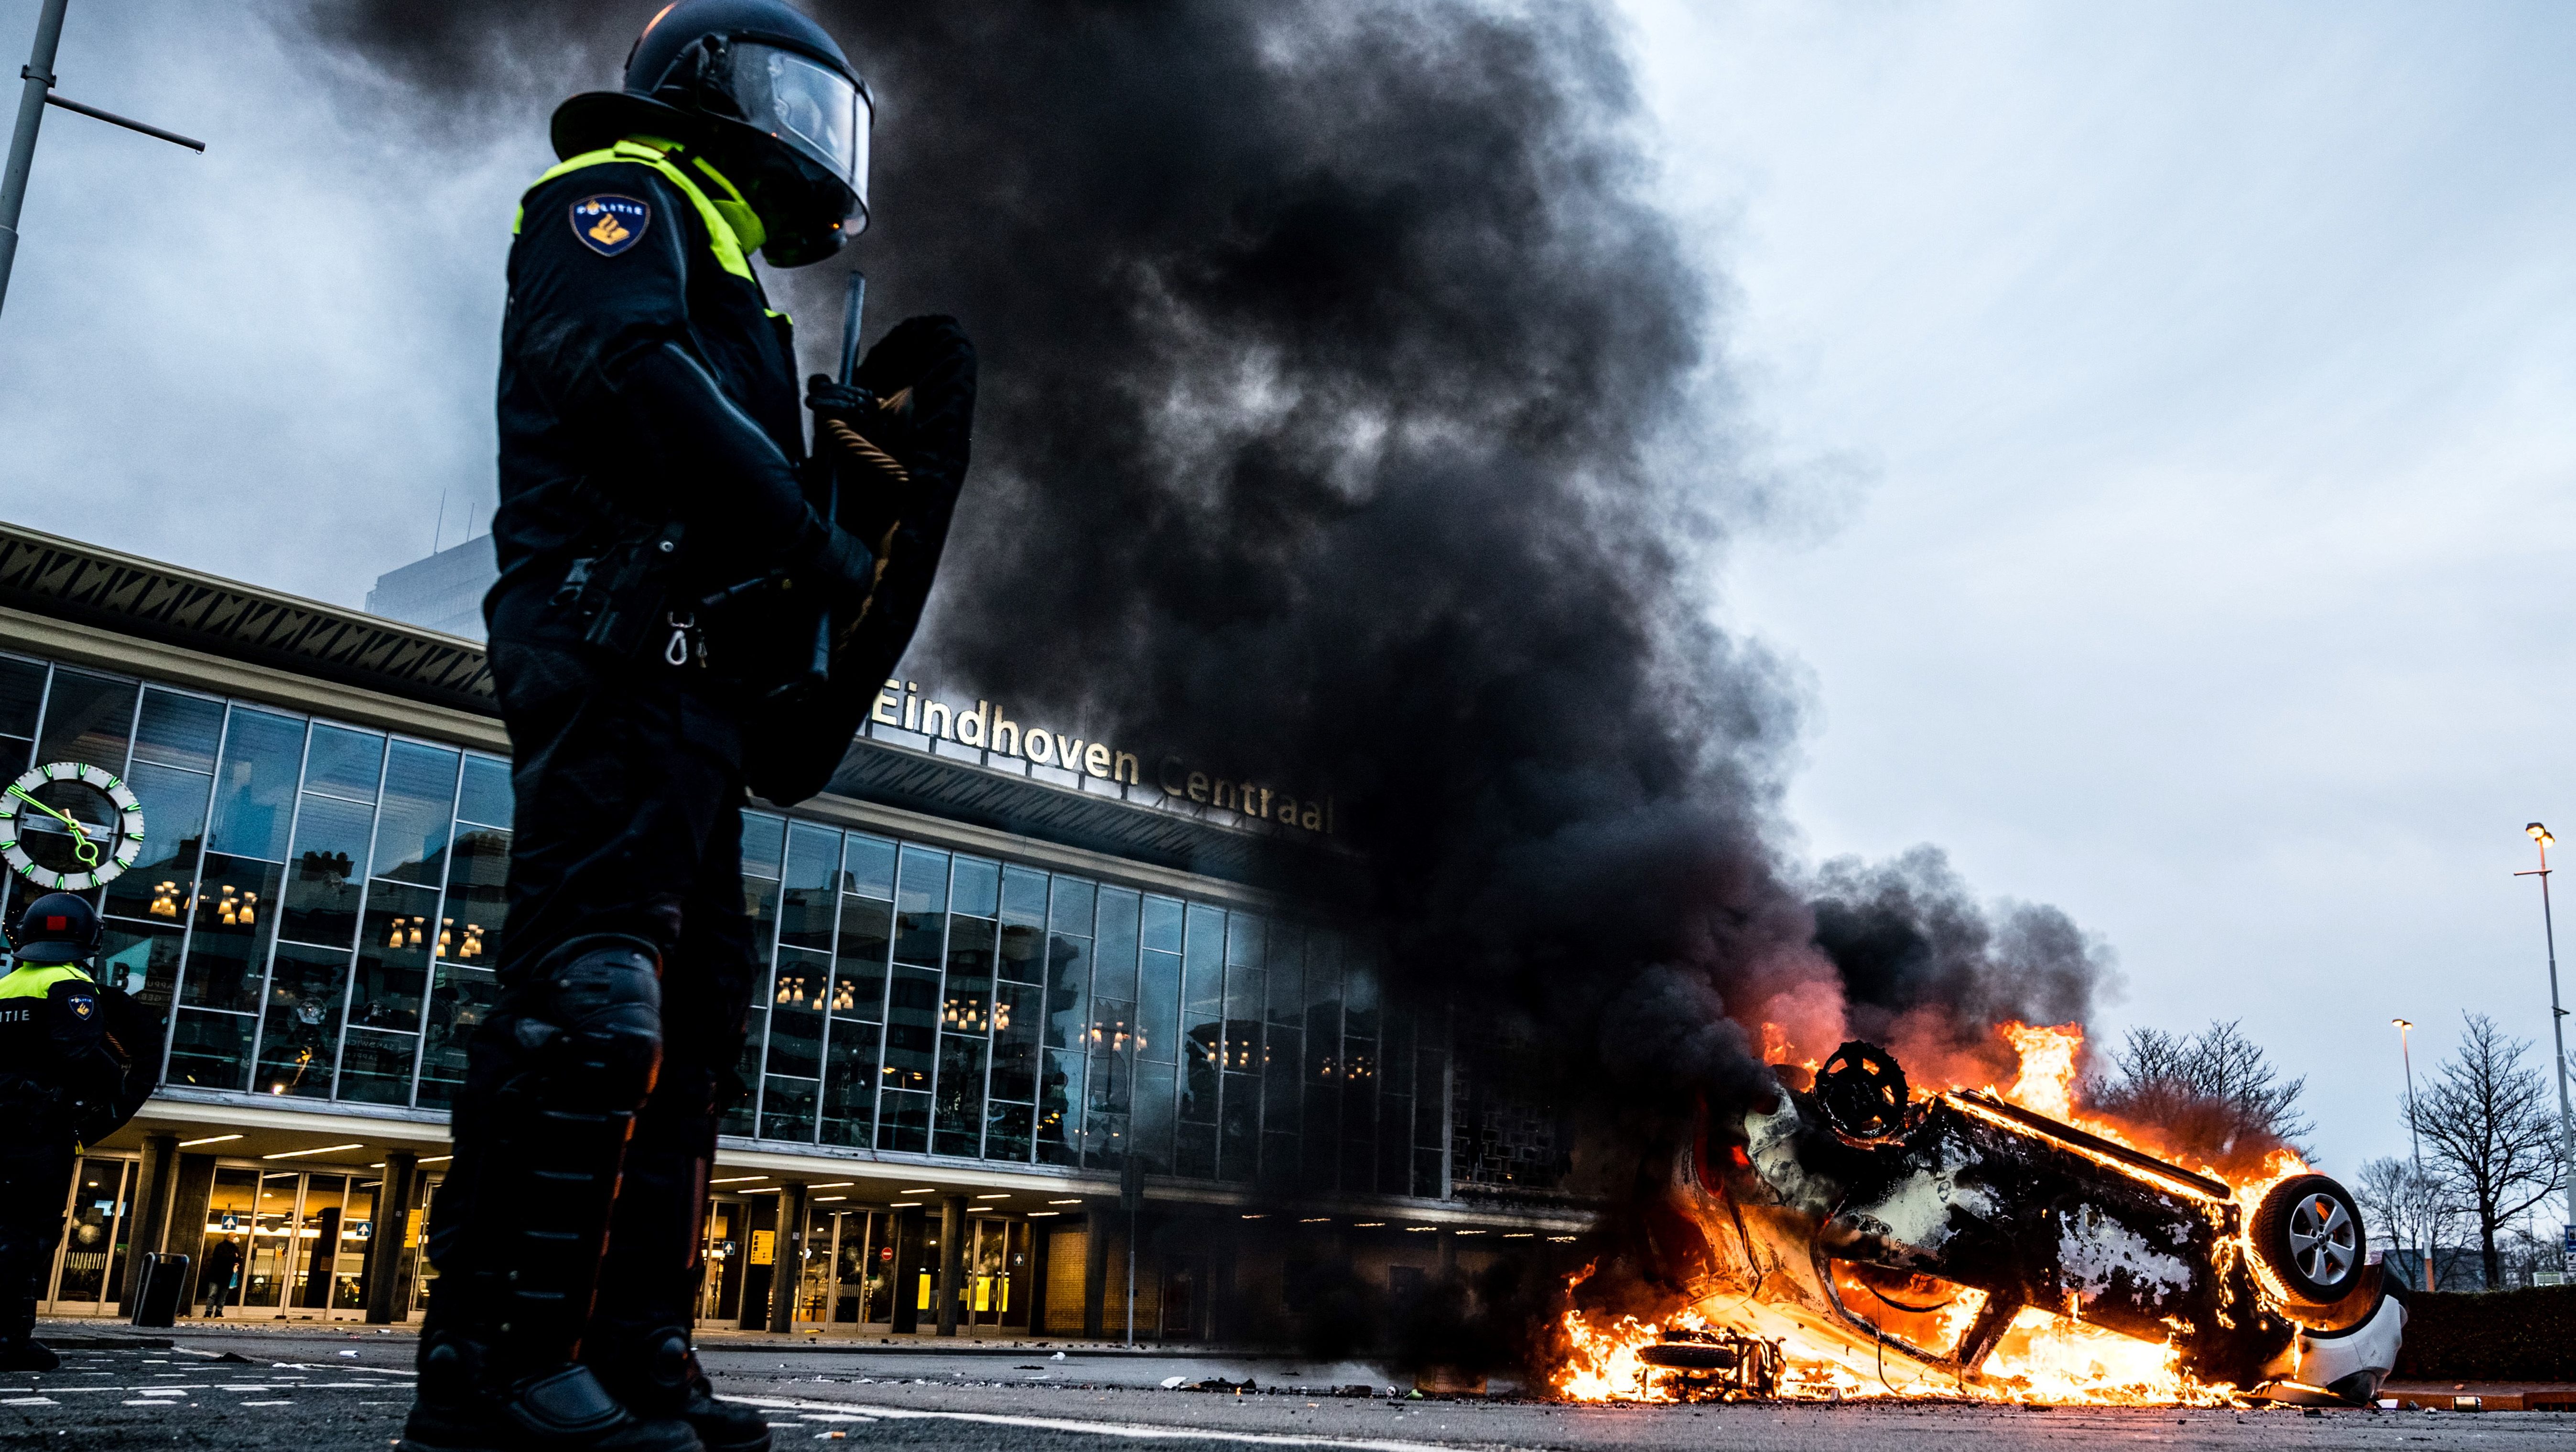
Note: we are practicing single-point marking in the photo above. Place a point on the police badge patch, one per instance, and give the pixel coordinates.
(82, 1005)
(609, 224)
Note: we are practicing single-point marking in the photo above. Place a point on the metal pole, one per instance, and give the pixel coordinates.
(1131, 1277)
(2407, 1052)
(2557, 1030)
(39, 78)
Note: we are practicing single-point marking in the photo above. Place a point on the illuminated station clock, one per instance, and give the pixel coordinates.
(67, 827)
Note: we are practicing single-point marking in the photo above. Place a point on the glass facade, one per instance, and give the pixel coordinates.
(318, 907)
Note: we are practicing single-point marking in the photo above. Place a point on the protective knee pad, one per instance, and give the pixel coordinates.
(585, 1041)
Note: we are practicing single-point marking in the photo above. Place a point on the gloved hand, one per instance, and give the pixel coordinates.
(840, 564)
(829, 399)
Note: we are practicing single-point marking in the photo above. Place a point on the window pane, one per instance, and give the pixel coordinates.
(969, 999)
(394, 943)
(903, 1121)
(1073, 906)
(1194, 1152)
(977, 888)
(1060, 1096)
(1006, 1132)
(858, 988)
(210, 1050)
(1068, 1000)
(411, 831)
(867, 866)
(330, 862)
(912, 1029)
(235, 920)
(760, 909)
(375, 1068)
(180, 731)
(484, 797)
(1113, 1069)
(921, 905)
(464, 995)
(1150, 1128)
(344, 763)
(1020, 950)
(164, 878)
(22, 697)
(142, 959)
(755, 1036)
(1162, 926)
(1015, 1042)
(1104, 1141)
(255, 788)
(1116, 973)
(88, 718)
(850, 1085)
(796, 1016)
(1204, 978)
(959, 1126)
(301, 1040)
(478, 898)
(805, 920)
(763, 837)
(1286, 969)
(787, 1108)
(1024, 896)
(1158, 1006)
(1279, 1082)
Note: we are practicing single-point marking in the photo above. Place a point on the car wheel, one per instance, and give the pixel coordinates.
(2308, 1233)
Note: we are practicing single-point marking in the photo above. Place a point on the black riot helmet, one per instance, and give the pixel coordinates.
(770, 98)
(55, 928)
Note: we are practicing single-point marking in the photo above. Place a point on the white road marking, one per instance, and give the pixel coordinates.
(269, 1404)
(1139, 1430)
(28, 1402)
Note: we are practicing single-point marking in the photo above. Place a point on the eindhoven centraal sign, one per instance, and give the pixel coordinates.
(987, 728)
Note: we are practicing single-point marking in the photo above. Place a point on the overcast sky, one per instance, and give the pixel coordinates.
(2183, 392)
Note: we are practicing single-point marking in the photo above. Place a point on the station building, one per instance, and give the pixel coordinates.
(1001, 966)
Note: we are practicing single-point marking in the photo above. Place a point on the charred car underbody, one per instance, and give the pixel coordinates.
(1921, 1228)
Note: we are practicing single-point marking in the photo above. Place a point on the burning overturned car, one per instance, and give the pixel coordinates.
(1842, 1229)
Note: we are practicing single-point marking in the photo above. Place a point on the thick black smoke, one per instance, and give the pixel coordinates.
(1355, 421)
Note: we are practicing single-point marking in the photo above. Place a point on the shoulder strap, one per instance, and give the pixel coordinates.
(723, 234)
(31, 980)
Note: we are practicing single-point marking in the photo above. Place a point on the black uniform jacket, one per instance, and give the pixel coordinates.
(641, 385)
(61, 1073)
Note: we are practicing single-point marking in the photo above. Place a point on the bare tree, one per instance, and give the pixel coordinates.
(2411, 1209)
(2491, 1125)
(2214, 1094)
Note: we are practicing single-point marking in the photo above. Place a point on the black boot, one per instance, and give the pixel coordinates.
(661, 1378)
(26, 1353)
(566, 1410)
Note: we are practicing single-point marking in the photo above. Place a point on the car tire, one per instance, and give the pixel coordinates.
(2308, 1234)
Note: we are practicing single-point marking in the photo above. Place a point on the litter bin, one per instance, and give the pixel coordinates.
(165, 1282)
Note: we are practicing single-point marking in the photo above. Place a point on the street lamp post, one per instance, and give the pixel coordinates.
(33, 97)
(2408, 1054)
(2557, 1029)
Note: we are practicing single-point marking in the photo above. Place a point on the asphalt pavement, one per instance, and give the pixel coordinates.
(345, 1390)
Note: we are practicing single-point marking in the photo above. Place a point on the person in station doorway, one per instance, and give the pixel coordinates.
(691, 603)
(67, 1080)
(215, 1278)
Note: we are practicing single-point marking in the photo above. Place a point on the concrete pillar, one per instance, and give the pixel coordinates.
(385, 1302)
(907, 1271)
(1095, 1275)
(952, 1259)
(787, 1277)
(187, 1233)
(151, 1211)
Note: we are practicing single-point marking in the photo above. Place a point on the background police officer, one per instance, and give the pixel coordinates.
(63, 1084)
(664, 571)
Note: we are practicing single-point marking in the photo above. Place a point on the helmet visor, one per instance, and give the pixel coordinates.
(811, 107)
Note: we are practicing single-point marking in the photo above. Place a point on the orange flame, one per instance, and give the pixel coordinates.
(2042, 1358)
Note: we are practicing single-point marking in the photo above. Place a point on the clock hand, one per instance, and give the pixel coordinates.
(85, 850)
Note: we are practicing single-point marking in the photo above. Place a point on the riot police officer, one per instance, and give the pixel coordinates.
(669, 554)
(63, 1085)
